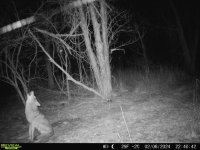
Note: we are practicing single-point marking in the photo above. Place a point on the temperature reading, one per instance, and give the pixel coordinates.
(124, 146)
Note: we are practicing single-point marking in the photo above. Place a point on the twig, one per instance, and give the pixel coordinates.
(126, 124)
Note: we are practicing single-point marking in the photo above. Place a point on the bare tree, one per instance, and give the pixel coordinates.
(92, 27)
(99, 60)
(13, 72)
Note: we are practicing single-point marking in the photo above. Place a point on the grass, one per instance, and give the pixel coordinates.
(134, 116)
(159, 80)
(147, 80)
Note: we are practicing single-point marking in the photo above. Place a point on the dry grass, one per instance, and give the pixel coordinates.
(158, 79)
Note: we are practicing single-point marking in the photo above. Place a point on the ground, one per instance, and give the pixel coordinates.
(133, 116)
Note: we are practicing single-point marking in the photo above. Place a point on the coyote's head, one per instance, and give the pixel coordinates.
(31, 99)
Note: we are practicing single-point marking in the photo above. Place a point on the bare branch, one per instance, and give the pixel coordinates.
(57, 65)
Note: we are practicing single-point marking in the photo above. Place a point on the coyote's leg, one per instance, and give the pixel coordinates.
(31, 132)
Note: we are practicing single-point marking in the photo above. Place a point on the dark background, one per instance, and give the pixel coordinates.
(155, 16)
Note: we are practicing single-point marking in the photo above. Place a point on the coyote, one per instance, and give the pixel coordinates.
(36, 120)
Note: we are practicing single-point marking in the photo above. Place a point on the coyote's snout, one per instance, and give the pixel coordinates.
(36, 119)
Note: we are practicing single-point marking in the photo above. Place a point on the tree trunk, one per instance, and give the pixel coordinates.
(107, 70)
(99, 62)
(48, 64)
(89, 50)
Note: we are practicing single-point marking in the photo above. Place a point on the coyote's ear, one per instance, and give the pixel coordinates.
(31, 93)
